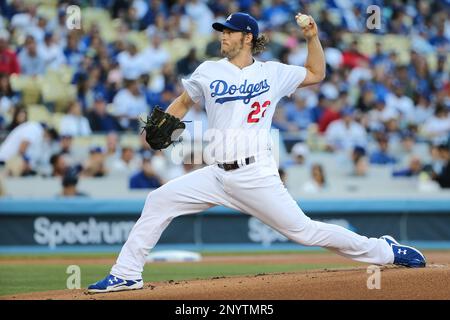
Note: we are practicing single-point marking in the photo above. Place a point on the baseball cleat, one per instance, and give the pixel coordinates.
(405, 255)
(112, 284)
(389, 240)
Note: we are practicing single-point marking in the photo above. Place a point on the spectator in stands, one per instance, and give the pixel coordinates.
(318, 110)
(52, 52)
(85, 90)
(331, 113)
(126, 164)
(129, 104)
(326, 25)
(381, 114)
(72, 52)
(273, 48)
(280, 122)
(441, 40)
(8, 98)
(380, 56)
(100, 120)
(112, 148)
(20, 116)
(94, 166)
(440, 76)
(400, 102)
(317, 183)
(297, 113)
(443, 178)
(382, 155)
(32, 62)
(143, 145)
(398, 23)
(353, 58)
(423, 109)
(130, 61)
(179, 25)
(146, 178)
(71, 156)
(213, 47)
(438, 126)
(59, 165)
(154, 57)
(360, 165)
(69, 184)
(406, 148)
(278, 13)
(414, 168)
(188, 64)
(300, 153)
(38, 29)
(131, 19)
(200, 15)
(345, 133)
(30, 141)
(9, 62)
(58, 25)
(74, 123)
(152, 96)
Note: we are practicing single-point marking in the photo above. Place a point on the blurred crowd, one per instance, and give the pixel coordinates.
(373, 108)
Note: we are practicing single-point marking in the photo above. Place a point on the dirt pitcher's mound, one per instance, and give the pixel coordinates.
(432, 282)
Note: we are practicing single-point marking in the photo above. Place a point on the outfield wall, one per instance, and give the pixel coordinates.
(100, 225)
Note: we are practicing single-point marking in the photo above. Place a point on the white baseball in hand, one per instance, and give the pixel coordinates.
(303, 20)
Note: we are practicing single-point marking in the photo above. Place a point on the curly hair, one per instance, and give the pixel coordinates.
(259, 44)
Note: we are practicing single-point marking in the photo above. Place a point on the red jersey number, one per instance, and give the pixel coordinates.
(254, 115)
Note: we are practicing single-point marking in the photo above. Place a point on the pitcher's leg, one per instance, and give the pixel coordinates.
(273, 205)
(188, 194)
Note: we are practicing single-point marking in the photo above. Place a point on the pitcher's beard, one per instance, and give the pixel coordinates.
(233, 52)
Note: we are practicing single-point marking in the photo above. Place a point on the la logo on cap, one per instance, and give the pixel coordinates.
(229, 17)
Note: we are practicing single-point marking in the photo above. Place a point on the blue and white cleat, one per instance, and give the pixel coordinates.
(405, 255)
(112, 284)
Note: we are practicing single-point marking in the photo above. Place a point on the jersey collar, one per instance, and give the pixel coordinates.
(255, 62)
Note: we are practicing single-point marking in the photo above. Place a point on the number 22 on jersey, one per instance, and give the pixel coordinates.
(256, 114)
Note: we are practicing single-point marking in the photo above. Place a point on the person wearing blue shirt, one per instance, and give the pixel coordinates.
(146, 178)
(382, 156)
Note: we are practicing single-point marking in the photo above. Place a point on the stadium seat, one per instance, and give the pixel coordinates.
(30, 87)
(178, 48)
(49, 3)
(57, 93)
(47, 9)
(39, 113)
(139, 39)
(56, 120)
(102, 18)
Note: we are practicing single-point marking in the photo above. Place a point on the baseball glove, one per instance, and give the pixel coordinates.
(162, 129)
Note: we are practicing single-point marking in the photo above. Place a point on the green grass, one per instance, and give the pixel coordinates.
(33, 278)
(115, 254)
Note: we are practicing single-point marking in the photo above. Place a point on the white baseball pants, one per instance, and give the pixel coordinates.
(255, 189)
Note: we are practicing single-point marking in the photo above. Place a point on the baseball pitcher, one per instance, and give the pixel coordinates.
(240, 95)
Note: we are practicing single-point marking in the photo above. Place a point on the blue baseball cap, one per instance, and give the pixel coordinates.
(239, 21)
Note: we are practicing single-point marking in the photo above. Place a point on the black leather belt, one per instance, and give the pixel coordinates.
(235, 165)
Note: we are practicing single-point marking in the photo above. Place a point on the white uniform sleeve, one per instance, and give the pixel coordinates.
(289, 77)
(193, 85)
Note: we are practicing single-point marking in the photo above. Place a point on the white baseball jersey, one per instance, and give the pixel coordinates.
(240, 103)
